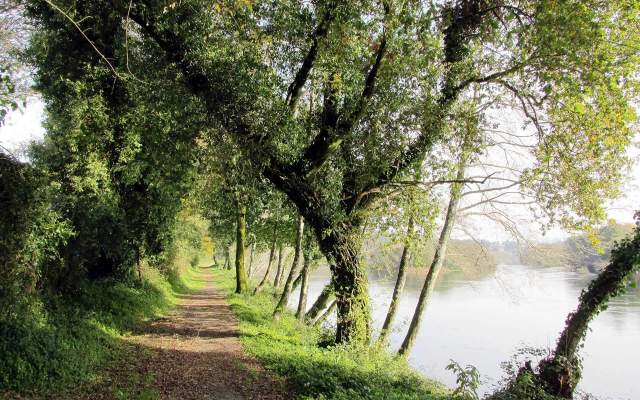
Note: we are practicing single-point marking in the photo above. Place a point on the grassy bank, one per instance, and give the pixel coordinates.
(63, 347)
(289, 348)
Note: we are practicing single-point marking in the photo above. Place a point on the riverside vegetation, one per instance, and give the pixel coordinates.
(299, 130)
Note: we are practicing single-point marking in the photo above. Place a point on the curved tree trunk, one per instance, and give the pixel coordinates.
(272, 254)
(399, 287)
(304, 278)
(286, 292)
(437, 262)
(326, 314)
(279, 272)
(321, 302)
(560, 373)
(241, 236)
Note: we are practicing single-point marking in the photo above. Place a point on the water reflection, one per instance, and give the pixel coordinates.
(483, 322)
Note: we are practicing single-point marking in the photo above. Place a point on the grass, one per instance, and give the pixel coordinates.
(289, 348)
(63, 347)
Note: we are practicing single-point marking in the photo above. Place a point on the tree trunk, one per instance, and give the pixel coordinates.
(253, 250)
(227, 258)
(437, 262)
(304, 278)
(561, 372)
(241, 236)
(272, 254)
(342, 248)
(279, 273)
(215, 261)
(399, 287)
(284, 298)
(325, 314)
(321, 302)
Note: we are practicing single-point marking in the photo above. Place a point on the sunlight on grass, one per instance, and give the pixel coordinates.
(289, 348)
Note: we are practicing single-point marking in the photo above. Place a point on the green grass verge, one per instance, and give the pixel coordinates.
(289, 348)
(64, 347)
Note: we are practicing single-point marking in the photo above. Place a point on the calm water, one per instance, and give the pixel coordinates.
(483, 322)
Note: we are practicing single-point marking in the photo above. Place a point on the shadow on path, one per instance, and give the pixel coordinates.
(196, 352)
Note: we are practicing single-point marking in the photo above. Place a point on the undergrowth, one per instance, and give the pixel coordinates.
(61, 346)
(290, 348)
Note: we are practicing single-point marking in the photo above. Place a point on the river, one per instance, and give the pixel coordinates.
(484, 321)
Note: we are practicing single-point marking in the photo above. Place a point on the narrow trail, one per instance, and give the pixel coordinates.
(196, 352)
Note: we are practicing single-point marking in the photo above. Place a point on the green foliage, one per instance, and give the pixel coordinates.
(467, 381)
(65, 344)
(31, 235)
(290, 348)
(57, 344)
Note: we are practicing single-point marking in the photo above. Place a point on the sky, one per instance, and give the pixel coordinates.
(25, 126)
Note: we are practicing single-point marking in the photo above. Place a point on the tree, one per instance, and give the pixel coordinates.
(309, 256)
(559, 374)
(272, 251)
(241, 230)
(466, 152)
(288, 285)
(246, 66)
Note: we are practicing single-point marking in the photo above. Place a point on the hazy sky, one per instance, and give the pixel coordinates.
(23, 127)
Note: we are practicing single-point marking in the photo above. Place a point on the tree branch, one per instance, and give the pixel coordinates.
(293, 93)
(335, 129)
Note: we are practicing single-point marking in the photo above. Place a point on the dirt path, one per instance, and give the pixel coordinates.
(196, 352)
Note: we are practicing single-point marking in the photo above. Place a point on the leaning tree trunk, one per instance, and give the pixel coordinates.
(304, 279)
(279, 273)
(241, 236)
(253, 250)
(272, 254)
(286, 292)
(321, 302)
(561, 372)
(399, 287)
(437, 262)
(325, 314)
(342, 248)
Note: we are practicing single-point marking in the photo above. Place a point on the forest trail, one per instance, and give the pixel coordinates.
(196, 351)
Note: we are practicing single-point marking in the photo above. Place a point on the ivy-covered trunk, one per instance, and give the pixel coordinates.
(342, 247)
(241, 236)
(561, 372)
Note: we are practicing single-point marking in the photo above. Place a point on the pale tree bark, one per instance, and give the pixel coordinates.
(279, 272)
(272, 253)
(304, 278)
(251, 255)
(325, 314)
(438, 257)
(241, 236)
(321, 302)
(286, 292)
(399, 286)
